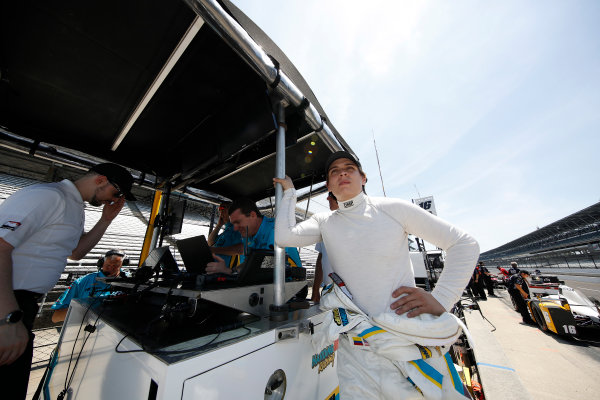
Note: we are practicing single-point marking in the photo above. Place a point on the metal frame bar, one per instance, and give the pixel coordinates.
(233, 33)
(248, 165)
(160, 78)
(279, 271)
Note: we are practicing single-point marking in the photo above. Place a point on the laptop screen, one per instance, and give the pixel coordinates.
(258, 267)
(195, 253)
(161, 258)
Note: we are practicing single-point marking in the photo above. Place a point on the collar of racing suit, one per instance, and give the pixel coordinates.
(352, 203)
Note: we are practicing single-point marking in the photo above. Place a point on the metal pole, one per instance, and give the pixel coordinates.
(164, 215)
(277, 311)
(157, 232)
(151, 233)
(212, 218)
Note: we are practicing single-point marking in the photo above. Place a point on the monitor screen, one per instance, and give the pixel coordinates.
(195, 253)
(161, 258)
(175, 216)
(258, 267)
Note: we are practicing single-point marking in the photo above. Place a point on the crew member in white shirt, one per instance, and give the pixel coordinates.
(40, 227)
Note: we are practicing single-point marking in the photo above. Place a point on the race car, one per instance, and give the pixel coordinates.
(563, 310)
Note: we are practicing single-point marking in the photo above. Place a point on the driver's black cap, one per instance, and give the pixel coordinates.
(118, 176)
(340, 154)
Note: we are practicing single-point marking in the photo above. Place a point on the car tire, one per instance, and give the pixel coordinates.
(539, 318)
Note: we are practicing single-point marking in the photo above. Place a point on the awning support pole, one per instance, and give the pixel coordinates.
(151, 233)
(278, 309)
(164, 214)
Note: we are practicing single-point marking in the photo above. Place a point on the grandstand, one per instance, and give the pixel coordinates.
(571, 242)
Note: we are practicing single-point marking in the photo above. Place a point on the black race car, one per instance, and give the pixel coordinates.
(563, 310)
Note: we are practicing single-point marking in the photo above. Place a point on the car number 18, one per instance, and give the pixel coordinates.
(570, 329)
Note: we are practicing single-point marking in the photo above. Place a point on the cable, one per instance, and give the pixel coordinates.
(249, 331)
(74, 343)
(90, 329)
(478, 308)
(143, 349)
(168, 352)
(126, 351)
(246, 243)
(176, 279)
(144, 290)
(483, 316)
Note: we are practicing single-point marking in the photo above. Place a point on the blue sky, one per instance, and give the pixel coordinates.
(491, 107)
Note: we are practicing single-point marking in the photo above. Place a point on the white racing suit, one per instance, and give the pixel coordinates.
(390, 356)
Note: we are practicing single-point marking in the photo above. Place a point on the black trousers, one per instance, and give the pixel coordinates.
(489, 284)
(15, 377)
(521, 305)
(477, 289)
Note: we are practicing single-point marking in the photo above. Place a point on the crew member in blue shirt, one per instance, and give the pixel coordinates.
(88, 286)
(256, 230)
(226, 241)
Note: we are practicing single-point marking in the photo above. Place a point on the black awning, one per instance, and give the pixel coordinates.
(74, 72)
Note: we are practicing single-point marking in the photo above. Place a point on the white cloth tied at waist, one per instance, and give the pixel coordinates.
(418, 346)
(400, 335)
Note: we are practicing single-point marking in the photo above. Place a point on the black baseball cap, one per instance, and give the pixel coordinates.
(118, 176)
(115, 252)
(341, 154)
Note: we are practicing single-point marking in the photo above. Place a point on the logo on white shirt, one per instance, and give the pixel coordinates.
(11, 225)
(349, 204)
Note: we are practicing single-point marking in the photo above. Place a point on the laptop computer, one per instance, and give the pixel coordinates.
(195, 253)
(257, 269)
(161, 259)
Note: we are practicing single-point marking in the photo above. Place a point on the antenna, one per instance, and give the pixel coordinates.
(378, 165)
(420, 242)
(419, 194)
(246, 243)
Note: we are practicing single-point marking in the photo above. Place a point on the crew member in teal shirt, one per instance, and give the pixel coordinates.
(88, 286)
(257, 232)
(224, 244)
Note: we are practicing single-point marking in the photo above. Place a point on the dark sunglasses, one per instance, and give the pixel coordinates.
(119, 193)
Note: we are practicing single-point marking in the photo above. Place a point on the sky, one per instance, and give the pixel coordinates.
(491, 107)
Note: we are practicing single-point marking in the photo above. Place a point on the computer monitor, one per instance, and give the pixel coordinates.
(195, 253)
(257, 268)
(161, 258)
(175, 216)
